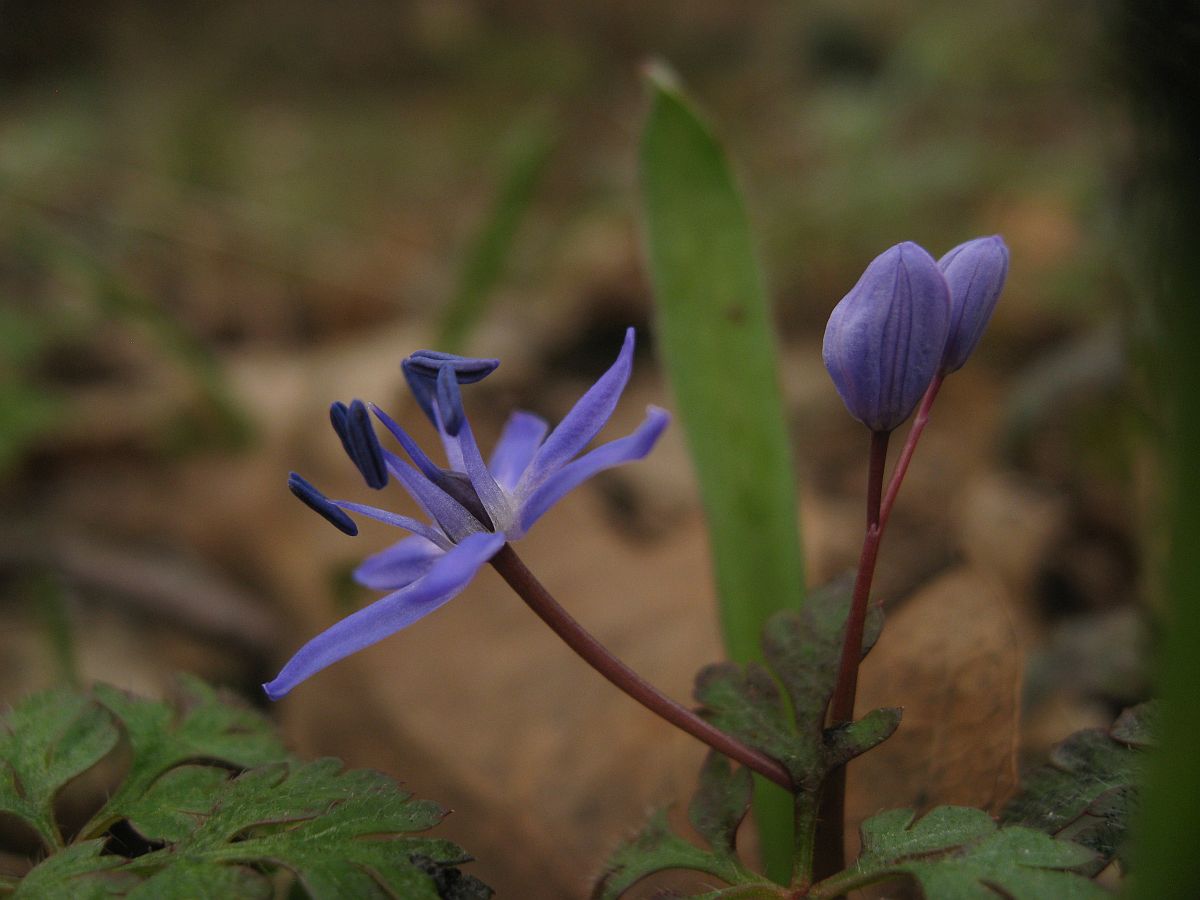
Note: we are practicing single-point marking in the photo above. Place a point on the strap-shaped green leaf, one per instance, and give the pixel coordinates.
(719, 349)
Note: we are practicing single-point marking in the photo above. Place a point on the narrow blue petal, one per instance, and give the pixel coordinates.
(494, 501)
(627, 449)
(522, 435)
(582, 423)
(454, 518)
(395, 519)
(399, 565)
(386, 616)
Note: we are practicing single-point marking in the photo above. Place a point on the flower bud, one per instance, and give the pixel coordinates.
(884, 340)
(975, 272)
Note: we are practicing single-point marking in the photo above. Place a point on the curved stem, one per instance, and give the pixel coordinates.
(600, 658)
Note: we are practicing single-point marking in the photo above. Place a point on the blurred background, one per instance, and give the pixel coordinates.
(216, 218)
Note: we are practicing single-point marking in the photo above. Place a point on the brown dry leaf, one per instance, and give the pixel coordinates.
(950, 657)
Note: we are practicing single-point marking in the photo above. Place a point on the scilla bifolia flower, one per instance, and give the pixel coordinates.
(975, 272)
(884, 341)
(475, 506)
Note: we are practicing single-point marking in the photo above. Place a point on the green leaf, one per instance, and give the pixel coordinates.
(45, 741)
(956, 853)
(221, 808)
(78, 871)
(202, 726)
(718, 346)
(745, 702)
(721, 802)
(655, 849)
(343, 833)
(803, 649)
(1088, 791)
(719, 349)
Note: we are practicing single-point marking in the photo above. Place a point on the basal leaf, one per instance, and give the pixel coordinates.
(343, 833)
(655, 849)
(957, 853)
(80, 870)
(718, 346)
(744, 701)
(721, 802)
(803, 648)
(45, 741)
(1088, 791)
(201, 727)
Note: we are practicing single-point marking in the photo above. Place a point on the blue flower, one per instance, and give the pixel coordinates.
(884, 341)
(975, 272)
(475, 506)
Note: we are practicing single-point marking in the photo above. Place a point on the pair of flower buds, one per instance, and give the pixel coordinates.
(908, 321)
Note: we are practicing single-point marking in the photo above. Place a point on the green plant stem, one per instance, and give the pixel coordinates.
(807, 809)
(845, 881)
(910, 446)
(600, 658)
(832, 819)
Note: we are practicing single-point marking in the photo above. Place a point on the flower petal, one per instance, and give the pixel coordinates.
(490, 494)
(518, 442)
(399, 565)
(627, 449)
(454, 518)
(388, 615)
(582, 423)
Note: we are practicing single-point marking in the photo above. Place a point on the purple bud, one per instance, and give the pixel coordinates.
(975, 272)
(884, 340)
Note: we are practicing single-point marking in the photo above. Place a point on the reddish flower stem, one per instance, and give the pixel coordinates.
(830, 848)
(831, 832)
(600, 658)
(910, 446)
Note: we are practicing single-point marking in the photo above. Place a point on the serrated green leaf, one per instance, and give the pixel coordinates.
(343, 833)
(803, 648)
(655, 849)
(957, 853)
(721, 802)
(78, 871)
(745, 702)
(45, 741)
(1088, 791)
(203, 726)
(853, 739)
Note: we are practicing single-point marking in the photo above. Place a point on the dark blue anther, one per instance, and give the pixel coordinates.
(368, 455)
(321, 505)
(449, 400)
(423, 368)
(337, 415)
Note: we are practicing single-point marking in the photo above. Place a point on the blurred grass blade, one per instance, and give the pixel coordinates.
(1158, 57)
(718, 347)
(490, 249)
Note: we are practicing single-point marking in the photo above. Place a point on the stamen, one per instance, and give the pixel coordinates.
(421, 371)
(321, 505)
(369, 455)
(449, 400)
